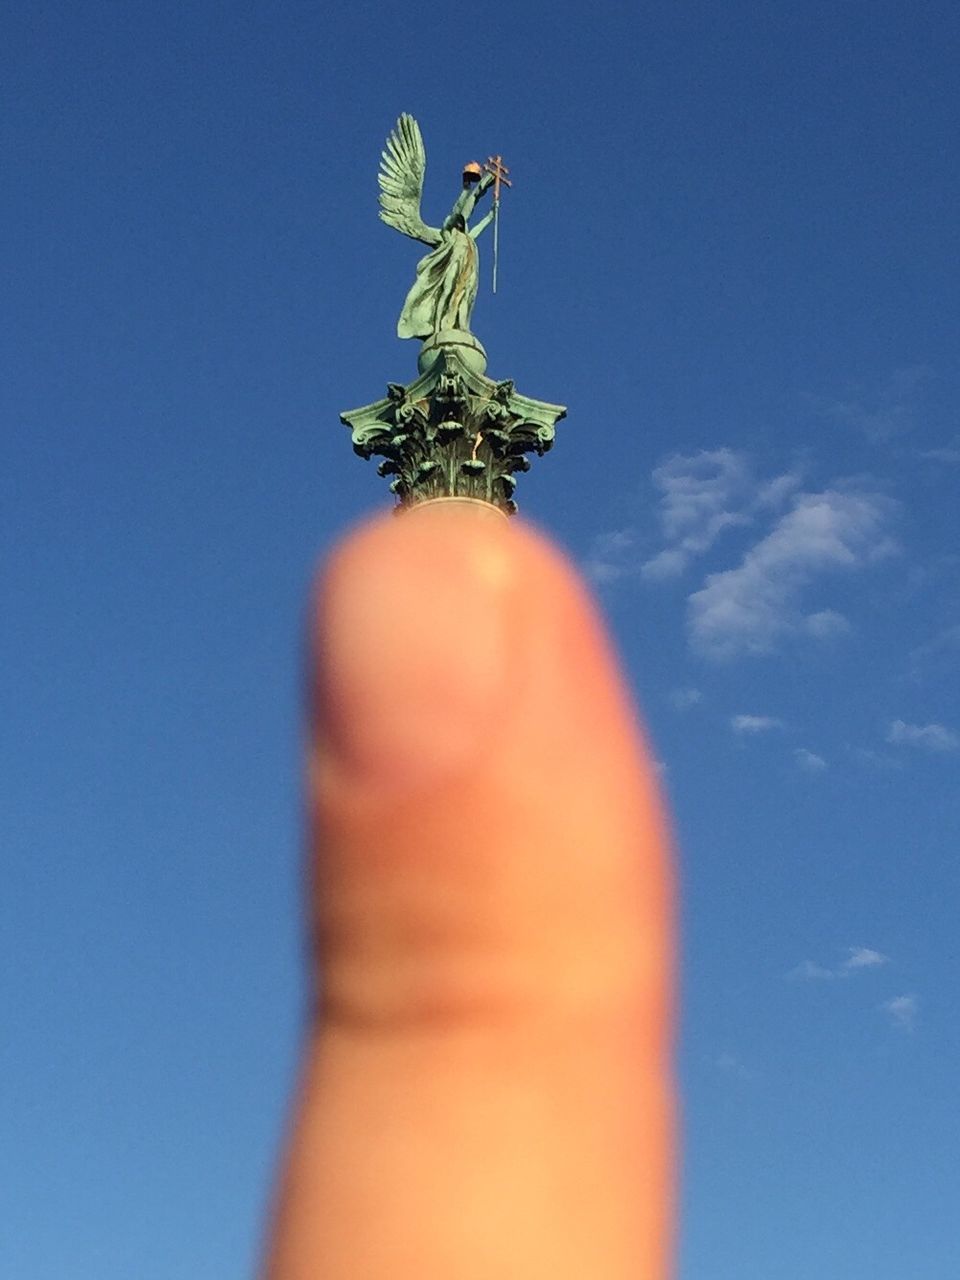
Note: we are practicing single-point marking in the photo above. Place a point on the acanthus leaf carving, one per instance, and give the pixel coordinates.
(453, 433)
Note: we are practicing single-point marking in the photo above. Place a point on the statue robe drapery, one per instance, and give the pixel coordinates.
(443, 294)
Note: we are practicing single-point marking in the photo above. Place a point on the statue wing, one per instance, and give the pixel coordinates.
(402, 167)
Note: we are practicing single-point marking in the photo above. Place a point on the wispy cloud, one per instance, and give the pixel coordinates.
(773, 494)
(750, 609)
(949, 453)
(937, 656)
(875, 759)
(863, 958)
(890, 409)
(810, 971)
(903, 1011)
(931, 737)
(809, 761)
(754, 724)
(731, 1065)
(857, 959)
(826, 624)
(684, 699)
(702, 494)
(612, 556)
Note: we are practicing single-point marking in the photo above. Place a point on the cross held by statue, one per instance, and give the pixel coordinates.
(499, 170)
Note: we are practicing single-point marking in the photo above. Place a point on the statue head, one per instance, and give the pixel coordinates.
(472, 173)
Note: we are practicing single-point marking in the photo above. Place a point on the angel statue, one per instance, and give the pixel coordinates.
(445, 289)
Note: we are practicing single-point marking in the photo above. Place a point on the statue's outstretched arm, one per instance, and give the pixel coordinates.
(467, 200)
(482, 225)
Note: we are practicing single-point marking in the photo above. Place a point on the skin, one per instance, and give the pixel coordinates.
(486, 1087)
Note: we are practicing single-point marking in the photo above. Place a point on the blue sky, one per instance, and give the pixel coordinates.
(731, 250)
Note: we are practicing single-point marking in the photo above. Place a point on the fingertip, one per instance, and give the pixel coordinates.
(488, 824)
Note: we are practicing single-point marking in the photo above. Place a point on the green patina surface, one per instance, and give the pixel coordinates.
(452, 432)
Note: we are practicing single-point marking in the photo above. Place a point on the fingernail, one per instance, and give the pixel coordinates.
(413, 647)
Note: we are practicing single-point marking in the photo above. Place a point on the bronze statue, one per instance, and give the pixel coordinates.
(452, 432)
(445, 289)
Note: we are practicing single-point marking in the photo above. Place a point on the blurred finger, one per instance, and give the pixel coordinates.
(486, 1091)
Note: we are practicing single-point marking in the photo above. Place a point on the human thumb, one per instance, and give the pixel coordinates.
(486, 1088)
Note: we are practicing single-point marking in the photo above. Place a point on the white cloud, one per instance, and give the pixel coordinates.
(875, 759)
(933, 737)
(864, 958)
(669, 563)
(684, 699)
(858, 959)
(809, 761)
(731, 1065)
(775, 492)
(903, 1011)
(948, 453)
(810, 971)
(825, 624)
(754, 724)
(887, 410)
(702, 494)
(749, 609)
(612, 556)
